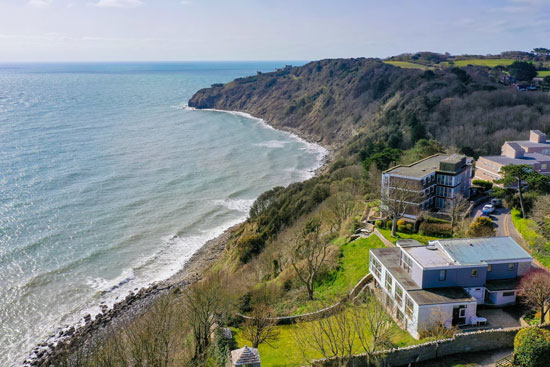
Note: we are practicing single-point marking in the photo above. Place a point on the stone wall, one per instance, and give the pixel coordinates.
(471, 342)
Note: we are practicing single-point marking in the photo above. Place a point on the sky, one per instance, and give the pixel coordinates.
(197, 30)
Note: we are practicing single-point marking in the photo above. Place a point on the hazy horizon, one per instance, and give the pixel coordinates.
(248, 30)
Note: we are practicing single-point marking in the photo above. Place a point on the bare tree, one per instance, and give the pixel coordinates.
(398, 195)
(309, 253)
(343, 202)
(541, 215)
(205, 304)
(261, 327)
(535, 290)
(373, 325)
(458, 205)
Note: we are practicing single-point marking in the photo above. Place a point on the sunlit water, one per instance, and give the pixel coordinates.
(107, 183)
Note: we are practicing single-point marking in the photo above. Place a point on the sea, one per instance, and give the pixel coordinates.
(109, 183)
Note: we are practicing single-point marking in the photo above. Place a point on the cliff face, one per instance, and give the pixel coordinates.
(358, 100)
(326, 101)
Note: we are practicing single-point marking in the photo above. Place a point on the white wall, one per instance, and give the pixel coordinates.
(430, 314)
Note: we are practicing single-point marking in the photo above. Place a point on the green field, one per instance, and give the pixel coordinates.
(407, 65)
(484, 62)
(544, 73)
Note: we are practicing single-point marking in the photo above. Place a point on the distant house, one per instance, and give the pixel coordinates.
(534, 152)
(438, 179)
(446, 280)
(245, 357)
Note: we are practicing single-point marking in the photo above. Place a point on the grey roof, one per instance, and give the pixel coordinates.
(437, 296)
(502, 285)
(390, 257)
(407, 242)
(528, 158)
(430, 256)
(425, 166)
(514, 146)
(531, 144)
(244, 356)
(473, 251)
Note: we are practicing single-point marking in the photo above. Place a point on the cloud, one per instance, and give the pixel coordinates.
(40, 3)
(119, 3)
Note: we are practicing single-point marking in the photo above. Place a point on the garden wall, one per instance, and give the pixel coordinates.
(471, 342)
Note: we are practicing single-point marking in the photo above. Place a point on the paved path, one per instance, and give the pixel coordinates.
(478, 359)
(501, 218)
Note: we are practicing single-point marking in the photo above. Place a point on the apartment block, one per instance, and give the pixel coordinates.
(437, 180)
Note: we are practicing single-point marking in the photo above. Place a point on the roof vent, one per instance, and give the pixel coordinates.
(431, 247)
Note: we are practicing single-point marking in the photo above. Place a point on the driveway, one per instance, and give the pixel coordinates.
(501, 219)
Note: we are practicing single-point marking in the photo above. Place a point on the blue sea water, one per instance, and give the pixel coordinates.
(108, 183)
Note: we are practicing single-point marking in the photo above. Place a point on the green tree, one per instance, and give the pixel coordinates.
(522, 70)
(482, 227)
(383, 159)
(532, 348)
(520, 175)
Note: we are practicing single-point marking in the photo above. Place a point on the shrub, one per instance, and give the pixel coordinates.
(482, 227)
(435, 229)
(429, 219)
(389, 224)
(250, 246)
(379, 224)
(485, 185)
(532, 347)
(402, 228)
(401, 222)
(409, 227)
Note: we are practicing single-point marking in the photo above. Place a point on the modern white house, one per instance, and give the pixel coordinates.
(444, 281)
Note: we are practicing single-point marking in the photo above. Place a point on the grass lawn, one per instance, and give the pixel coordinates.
(407, 65)
(544, 73)
(414, 236)
(526, 228)
(483, 62)
(286, 353)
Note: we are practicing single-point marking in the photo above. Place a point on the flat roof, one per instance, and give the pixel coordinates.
(425, 166)
(502, 284)
(528, 158)
(390, 257)
(474, 251)
(531, 144)
(435, 296)
(429, 256)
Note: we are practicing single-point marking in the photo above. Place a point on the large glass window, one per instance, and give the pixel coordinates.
(409, 306)
(398, 295)
(406, 262)
(375, 267)
(388, 282)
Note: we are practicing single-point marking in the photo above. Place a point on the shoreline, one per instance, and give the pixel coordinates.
(91, 329)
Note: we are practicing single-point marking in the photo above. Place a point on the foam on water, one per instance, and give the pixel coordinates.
(108, 184)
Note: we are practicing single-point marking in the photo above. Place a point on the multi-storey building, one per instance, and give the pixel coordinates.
(437, 180)
(534, 152)
(446, 280)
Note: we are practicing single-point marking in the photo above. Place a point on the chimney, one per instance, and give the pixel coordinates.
(537, 136)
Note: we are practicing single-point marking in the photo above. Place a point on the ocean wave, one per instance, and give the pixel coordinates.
(241, 205)
(272, 144)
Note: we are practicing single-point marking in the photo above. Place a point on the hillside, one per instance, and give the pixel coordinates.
(332, 101)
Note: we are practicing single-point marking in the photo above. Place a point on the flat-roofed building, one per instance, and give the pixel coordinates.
(446, 280)
(534, 152)
(437, 180)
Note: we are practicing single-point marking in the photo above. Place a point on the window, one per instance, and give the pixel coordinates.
(406, 262)
(489, 267)
(409, 306)
(511, 266)
(462, 312)
(508, 294)
(442, 275)
(376, 267)
(398, 295)
(389, 282)
(544, 166)
(474, 273)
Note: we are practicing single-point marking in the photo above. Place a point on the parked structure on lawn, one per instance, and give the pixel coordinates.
(244, 357)
(444, 281)
(437, 179)
(534, 152)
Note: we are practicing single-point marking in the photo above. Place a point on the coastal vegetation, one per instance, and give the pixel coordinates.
(295, 253)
